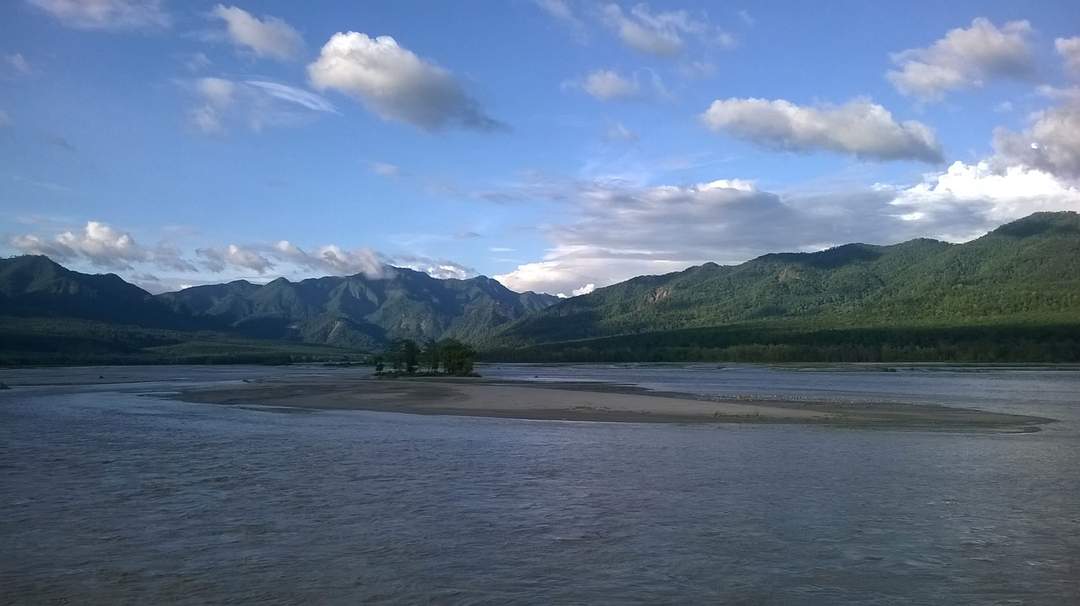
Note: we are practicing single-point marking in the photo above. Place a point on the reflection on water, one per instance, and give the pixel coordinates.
(110, 497)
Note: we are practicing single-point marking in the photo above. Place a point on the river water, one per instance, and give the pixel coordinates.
(110, 495)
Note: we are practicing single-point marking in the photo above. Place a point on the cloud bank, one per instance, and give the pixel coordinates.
(100, 246)
(615, 232)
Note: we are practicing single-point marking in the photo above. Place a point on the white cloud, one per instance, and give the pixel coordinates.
(332, 259)
(266, 37)
(1069, 49)
(218, 92)
(107, 14)
(294, 95)
(18, 63)
(618, 132)
(258, 103)
(964, 58)
(859, 127)
(5, 119)
(385, 169)
(436, 268)
(606, 84)
(560, 10)
(584, 290)
(218, 259)
(663, 34)
(969, 199)
(396, 84)
(610, 85)
(97, 243)
(1051, 143)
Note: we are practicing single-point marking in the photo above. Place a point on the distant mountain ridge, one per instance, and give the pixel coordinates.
(357, 311)
(350, 311)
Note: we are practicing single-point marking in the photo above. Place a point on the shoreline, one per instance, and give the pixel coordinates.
(605, 402)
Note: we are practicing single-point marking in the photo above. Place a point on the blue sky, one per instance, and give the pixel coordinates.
(556, 145)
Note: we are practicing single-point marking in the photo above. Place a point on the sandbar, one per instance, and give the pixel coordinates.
(588, 402)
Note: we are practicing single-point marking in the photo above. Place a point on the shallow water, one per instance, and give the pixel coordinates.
(114, 497)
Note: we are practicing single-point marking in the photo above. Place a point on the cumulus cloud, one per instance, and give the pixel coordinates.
(964, 58)
(396, 84)
(584, 290)
(663, 34)
(1051, 142)
(969, 199)
(258, 103)
(614, 231)
(106, 14)
(859, 127)
(1069, 49)
(97, 243)
(266, 37)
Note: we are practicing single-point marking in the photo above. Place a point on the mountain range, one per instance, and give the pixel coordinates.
(1024, 276)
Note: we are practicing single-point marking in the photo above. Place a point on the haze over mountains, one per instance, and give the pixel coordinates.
(1026, 272)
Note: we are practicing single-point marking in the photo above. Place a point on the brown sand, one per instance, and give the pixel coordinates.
(578, 402)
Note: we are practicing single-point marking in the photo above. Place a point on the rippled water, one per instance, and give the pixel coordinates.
(110, 496)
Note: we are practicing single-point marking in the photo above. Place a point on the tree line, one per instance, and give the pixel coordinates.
(446, 357)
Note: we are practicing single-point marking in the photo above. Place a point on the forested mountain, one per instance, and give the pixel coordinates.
(353, 312)
(1025, 271)
(357, 311)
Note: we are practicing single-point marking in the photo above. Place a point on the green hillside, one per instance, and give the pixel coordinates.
(1021, 273)
(357, 311)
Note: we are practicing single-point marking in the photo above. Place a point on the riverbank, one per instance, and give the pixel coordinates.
(590, 402)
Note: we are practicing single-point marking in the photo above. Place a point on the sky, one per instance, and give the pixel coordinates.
(556, 145)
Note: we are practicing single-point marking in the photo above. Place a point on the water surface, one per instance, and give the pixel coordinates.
(110, 496)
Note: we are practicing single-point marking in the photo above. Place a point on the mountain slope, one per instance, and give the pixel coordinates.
(36, 286)
(1028, 269)
(357, 311)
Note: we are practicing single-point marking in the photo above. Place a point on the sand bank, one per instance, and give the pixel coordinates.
(589, 402)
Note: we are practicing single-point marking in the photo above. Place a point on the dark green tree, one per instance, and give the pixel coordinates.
(457, 357)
